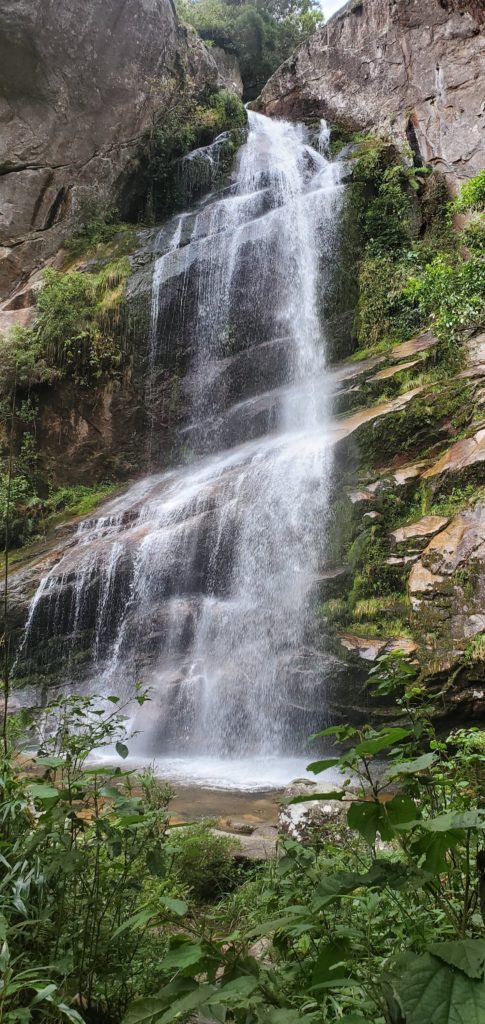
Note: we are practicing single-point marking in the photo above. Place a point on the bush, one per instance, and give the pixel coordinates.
(472, 194)
(204, 862)
(451, 297)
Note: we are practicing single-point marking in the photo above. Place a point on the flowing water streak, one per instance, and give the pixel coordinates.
(200, 581)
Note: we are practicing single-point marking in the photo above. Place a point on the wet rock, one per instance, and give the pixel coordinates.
(464, 456)
(300, 821)
(408, 69)
(415, 345)
(391, 371)
(447, 590)
(420, 531)
(358, 497)
(370, 648)
(259, 846)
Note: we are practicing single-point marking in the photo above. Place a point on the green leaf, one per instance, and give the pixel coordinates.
(276, 924)
(452, 820)
(400, 809)
(321, 766)
(41, 791)
(412, 767)
(468, 955)
(431, 992)
(156, 861)
(71, 1014)
(178, 907)
(431, 849)
(145, 1011)
(49, 762)
(135, 921)
(192, 1001)
(330, 962)
(185, 955)
(239, 988)
(384, 739)
(122, 749)
(369, 818)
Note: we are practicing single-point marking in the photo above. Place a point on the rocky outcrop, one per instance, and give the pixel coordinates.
(447, 590)
(409, 70)
(76, 94)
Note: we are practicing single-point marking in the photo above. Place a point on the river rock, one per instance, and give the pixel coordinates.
(411, 70)
(300, 821)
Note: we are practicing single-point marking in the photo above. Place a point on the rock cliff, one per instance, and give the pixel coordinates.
(406, 69)
(75, 96)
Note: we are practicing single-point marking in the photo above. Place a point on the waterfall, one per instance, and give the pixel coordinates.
(200, 581)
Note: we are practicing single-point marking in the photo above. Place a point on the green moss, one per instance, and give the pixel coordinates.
(418, 426)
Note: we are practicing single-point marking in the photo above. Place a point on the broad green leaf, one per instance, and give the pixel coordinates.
(49, 762)
(122, 749)
(400, 809)
(239, 988)
(431, 848)
(341, 732)
(145, 1011)
(468, 955)
(41, 791)
(275, 924)
(412, 767)
(330, 962)
(369, 818)
(452, 820)
(184, 955)
(192, 1001)
(156, 861)
(178, 907)
(384, 739)
(135, 921)
(431, 992)
(71, 1014)
(321, 766)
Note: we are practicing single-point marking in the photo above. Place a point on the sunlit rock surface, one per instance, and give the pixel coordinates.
(409, 69)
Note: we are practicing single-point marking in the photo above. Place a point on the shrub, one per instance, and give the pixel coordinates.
(472, 194)
(204, 862)
(451, 297)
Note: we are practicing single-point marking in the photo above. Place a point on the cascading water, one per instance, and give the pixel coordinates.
(200, 581)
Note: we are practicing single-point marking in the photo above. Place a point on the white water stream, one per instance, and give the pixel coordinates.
(200, 581)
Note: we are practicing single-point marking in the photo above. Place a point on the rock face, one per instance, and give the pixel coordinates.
(407, 69)
(75, 95)
(447, 589)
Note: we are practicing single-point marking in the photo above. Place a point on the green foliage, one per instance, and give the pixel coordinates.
(472, 194)
(77, 317)
(262, 33)
(82, 904)
(183, 123)
(385, 928)
(203, 861)
(451, 296)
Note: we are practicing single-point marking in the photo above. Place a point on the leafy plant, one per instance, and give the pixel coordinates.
(472, 194)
